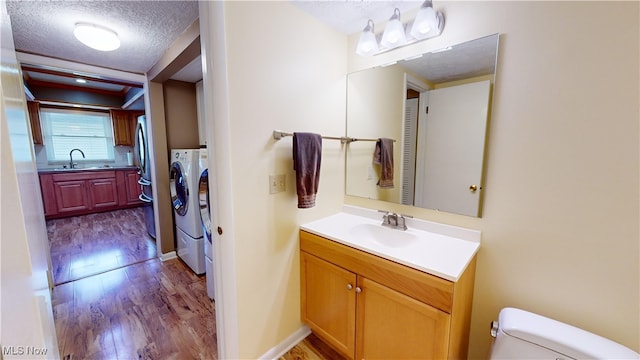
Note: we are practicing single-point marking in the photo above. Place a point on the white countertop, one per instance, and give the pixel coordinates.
(437, 249)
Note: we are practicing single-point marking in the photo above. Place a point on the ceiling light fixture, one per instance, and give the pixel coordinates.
(427, 24)
(96, 37)
(81, 81)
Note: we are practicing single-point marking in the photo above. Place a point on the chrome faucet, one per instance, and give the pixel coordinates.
(72, 165)
(394, 220)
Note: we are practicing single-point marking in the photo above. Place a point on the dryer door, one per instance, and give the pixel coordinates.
(179, 189)
(203, 199)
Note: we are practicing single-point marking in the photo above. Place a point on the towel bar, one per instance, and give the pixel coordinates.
(277, 135)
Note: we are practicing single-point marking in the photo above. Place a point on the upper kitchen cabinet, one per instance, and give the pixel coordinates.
(124, 125)
(34, 117)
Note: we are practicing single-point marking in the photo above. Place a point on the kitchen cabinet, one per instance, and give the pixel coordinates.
(71, 196)
(124, 126)
(103, 193)
(367, 307)
(33, 108)
(131, 189)
(72, 193)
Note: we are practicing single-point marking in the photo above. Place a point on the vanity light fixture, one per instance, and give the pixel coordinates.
(393, 35)
(427, 24)
(96, 37)
(368, 44)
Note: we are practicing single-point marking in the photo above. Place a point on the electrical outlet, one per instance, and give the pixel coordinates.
(277, 183)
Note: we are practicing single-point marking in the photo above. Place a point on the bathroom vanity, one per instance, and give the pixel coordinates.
(373, 292)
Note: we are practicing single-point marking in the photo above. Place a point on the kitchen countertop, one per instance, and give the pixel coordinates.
(92, 168)
(437, 249)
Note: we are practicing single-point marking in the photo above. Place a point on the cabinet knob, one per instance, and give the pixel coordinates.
(349, 286)
(358, 290)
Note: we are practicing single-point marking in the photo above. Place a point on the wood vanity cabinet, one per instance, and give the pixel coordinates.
(367, 307)
(84, 192)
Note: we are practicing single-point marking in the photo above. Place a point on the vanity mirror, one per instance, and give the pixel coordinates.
(437, 109)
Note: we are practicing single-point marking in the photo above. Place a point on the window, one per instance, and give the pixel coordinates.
(88, 131)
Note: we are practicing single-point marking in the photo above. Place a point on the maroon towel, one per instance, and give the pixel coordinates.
(307, 153)
(383, 156)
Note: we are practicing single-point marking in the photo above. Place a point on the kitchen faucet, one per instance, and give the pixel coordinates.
(72, 165)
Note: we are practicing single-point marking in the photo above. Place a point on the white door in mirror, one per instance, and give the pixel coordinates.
(453, 148)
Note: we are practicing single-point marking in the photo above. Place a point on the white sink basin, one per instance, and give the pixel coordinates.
(383, 235)
(437, 249)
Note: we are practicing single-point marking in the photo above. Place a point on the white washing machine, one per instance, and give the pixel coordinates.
(205, 217)
(183, 181)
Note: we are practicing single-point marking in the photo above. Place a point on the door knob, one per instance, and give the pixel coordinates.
(473, 188)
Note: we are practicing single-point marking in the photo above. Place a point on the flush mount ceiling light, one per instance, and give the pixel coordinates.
(96, 37)
(427, 24)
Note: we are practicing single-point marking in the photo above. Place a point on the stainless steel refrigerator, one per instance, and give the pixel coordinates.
(141, 151)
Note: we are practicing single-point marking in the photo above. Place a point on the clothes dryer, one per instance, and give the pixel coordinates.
(205, 217)
(183, 182)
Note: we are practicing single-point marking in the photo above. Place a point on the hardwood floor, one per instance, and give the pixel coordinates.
(312, 348)
(115, 300)
(149, 310)
(91, 244)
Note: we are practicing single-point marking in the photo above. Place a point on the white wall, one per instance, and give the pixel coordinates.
(561, 211)
(273, 67)
(27, 316)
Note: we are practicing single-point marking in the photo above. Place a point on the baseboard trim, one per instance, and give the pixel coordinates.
(277, 351)
(168, 256)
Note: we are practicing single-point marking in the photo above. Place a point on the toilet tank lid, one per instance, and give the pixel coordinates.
(560, 337)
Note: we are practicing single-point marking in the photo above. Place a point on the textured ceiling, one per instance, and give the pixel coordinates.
(146, 29)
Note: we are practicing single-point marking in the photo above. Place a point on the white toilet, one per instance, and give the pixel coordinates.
(523, 335)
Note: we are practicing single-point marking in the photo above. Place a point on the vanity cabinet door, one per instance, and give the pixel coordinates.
(329, 302)
(392, 325)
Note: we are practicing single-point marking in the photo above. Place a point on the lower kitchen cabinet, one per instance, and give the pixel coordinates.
(71, 196)
(82, 192)
(132, 186)
(103, 193)
(367, 307)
